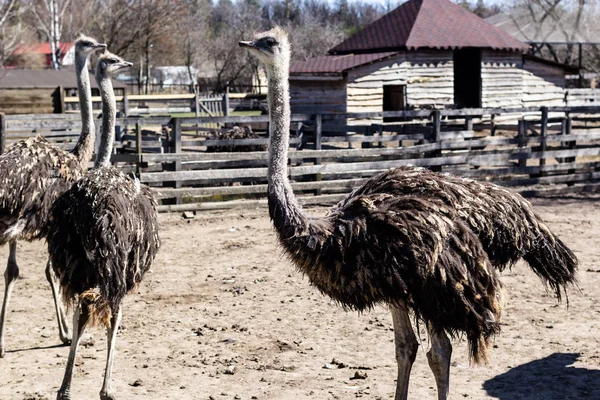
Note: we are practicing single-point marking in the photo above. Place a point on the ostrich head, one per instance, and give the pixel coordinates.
(85, 45)
(271, 47)
(110, 64)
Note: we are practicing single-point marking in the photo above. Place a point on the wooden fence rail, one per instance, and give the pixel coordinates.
(536, 150)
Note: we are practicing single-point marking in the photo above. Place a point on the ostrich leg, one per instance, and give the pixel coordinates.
(80, 320)
(111, 332)
(63, 327)
(439, 361)
(406, 349)
(10, 276)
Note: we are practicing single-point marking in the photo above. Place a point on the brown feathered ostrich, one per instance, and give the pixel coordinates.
(411, 253)
(416, 240)
(33, 173)
(103, 236)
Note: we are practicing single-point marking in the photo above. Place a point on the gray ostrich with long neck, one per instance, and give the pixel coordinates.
(410, 238)
(102, 237)
(33, 173)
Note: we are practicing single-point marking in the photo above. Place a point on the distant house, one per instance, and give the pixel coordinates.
(425, 54)
(39, 55)
(174, 76)
(40, 91)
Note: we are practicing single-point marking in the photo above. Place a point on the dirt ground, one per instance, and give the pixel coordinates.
(223, 315)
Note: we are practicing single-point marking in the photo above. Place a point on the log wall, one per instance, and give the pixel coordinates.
(501, 79)
(543, 84)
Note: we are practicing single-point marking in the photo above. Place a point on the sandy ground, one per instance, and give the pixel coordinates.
(223, 316)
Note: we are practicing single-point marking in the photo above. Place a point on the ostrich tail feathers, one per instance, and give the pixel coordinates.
(98, 307)
(553, 262)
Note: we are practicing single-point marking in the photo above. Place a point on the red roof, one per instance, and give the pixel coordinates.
(430, 24)
(42, 48)
(336, 64)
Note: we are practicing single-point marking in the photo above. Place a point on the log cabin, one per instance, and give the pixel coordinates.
(426, 54)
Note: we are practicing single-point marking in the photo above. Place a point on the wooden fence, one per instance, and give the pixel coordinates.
(536, 150)
(202, 105)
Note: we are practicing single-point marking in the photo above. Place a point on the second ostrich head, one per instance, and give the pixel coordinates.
(272, 48)
(109, 65)
(85, 45)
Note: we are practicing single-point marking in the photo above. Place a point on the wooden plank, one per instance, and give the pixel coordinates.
(590, 187)
(293, 155)
(548, 180)
(485, 159)
(246, 204)
(347, 184)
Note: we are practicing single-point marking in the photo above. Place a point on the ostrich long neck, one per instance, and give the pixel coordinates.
(109, 113)
(85, 145)
(287, 216)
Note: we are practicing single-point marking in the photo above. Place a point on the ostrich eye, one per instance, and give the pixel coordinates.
(270, 41)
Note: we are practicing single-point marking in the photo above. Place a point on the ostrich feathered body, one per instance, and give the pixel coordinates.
(103, 237)
(504, 221)
(400, 250)
(33, 174)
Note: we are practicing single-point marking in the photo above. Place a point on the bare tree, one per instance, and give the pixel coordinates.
(48, 16)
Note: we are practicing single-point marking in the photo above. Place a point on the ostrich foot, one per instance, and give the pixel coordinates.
(65, 338)
(107, 396)
(2, 354)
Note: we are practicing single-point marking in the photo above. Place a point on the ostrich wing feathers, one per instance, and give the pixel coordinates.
(504, 222)
(33, 173)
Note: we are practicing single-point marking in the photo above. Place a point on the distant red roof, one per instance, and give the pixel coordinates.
(42, 48)
(336, 64)
(428, 24)
(42, 51)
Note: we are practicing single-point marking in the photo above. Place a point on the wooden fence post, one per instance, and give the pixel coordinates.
(138, 147)
(318, 136)
(522, 135)
(2, 132)
(61, 99)
(125, 104)
(197, 103)
(469, 123)
(571, 145)
(175, 147)
(226, 102)
(436, 117)
(544, 134)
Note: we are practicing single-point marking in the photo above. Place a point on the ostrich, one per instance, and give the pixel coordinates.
(33, 173)
(413, 239)
(102, 237)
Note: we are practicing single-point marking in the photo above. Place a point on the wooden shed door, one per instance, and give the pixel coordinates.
(394, 99)
(467, 78)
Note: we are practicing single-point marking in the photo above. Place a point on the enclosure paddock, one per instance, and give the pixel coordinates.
(220, 295)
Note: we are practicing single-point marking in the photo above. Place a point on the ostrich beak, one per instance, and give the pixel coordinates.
(125, 64)
(248, 44)
(100, 46)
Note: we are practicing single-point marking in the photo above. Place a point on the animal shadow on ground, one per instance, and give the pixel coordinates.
(549, 378)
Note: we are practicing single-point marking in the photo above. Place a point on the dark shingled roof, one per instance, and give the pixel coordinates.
(336, 64)
(428, 24)
(43, 78)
